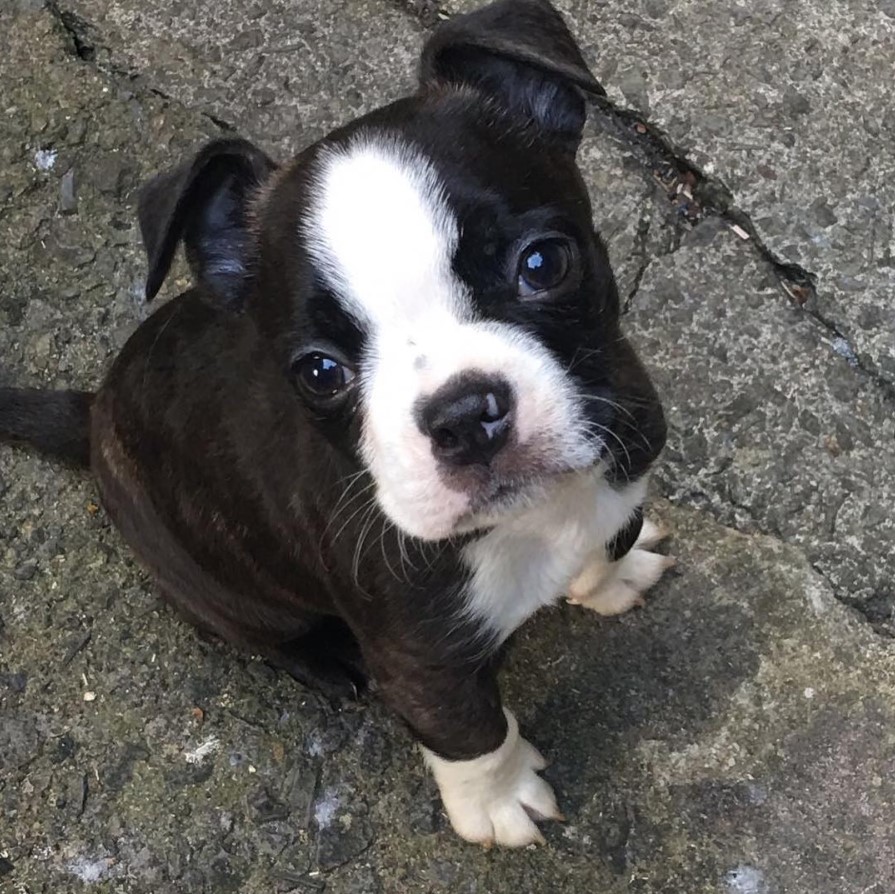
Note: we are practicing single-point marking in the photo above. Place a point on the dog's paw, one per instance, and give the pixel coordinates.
(495, 799)
(612, 588)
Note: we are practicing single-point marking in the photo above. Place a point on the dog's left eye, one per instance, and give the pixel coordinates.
(321, 376)
(543, 266)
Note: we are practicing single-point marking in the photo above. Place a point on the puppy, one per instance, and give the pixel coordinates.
(395, 415)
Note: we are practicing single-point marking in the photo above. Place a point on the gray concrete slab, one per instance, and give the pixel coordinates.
(771, 430)
(285, 72)
(733, 737)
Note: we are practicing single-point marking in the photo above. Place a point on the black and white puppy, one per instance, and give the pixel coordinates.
(395, 416)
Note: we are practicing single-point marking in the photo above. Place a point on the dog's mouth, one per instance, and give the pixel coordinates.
(502, 502)
(504, 497)
(503, 491)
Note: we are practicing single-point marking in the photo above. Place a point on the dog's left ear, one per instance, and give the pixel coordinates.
(521, 54)
(204, 203)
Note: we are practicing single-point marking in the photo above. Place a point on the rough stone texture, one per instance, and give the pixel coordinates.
(734, 737)
(285, 72)
(769, 428)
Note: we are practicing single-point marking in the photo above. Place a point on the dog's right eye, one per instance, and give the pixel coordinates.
(543, 266)
(320, 376)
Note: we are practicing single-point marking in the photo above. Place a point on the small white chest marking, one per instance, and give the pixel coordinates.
(528, 561)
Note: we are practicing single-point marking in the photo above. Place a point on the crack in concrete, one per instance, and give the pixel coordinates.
(642, 235)
(428, 12)
(84, 42)
(878, 612)
(78, 30)
(698, 195)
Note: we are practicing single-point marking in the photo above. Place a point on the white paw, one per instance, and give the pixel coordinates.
(611, 588)
(495, 798)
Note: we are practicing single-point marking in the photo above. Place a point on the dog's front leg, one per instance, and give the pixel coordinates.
(495, 797)
(486, 772)
(612, 586)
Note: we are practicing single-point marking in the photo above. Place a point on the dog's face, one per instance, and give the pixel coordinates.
(464, 260)
(430, 280)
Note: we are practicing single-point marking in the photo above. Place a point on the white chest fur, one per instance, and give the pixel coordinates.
(527, 561)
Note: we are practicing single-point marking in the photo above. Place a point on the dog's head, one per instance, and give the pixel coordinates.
(429, 278)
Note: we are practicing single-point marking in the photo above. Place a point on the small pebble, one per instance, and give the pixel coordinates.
(44, 159)
(68, 193)
(26, 570)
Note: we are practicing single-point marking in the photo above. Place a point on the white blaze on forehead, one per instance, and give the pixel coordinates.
(382, 233)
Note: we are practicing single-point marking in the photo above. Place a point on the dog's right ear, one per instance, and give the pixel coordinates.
(204, 203)
(521, 54)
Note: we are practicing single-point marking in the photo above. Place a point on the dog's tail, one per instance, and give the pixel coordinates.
(56, 423)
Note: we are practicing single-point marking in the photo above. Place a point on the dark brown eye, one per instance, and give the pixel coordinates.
(321, 376)
(543, 266)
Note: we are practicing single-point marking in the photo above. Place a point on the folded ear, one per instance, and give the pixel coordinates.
(521, 54)
(204, 203)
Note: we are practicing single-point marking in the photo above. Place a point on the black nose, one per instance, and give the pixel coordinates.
(468, 419)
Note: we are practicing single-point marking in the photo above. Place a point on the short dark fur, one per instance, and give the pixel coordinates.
(54, 422)
(624, 540)
(247, 503)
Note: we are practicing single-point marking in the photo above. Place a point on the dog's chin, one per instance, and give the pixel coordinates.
(482, 498)
(492, 502)
(508, 499)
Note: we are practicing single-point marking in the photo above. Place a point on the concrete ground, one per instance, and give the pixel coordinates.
(735, 736)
